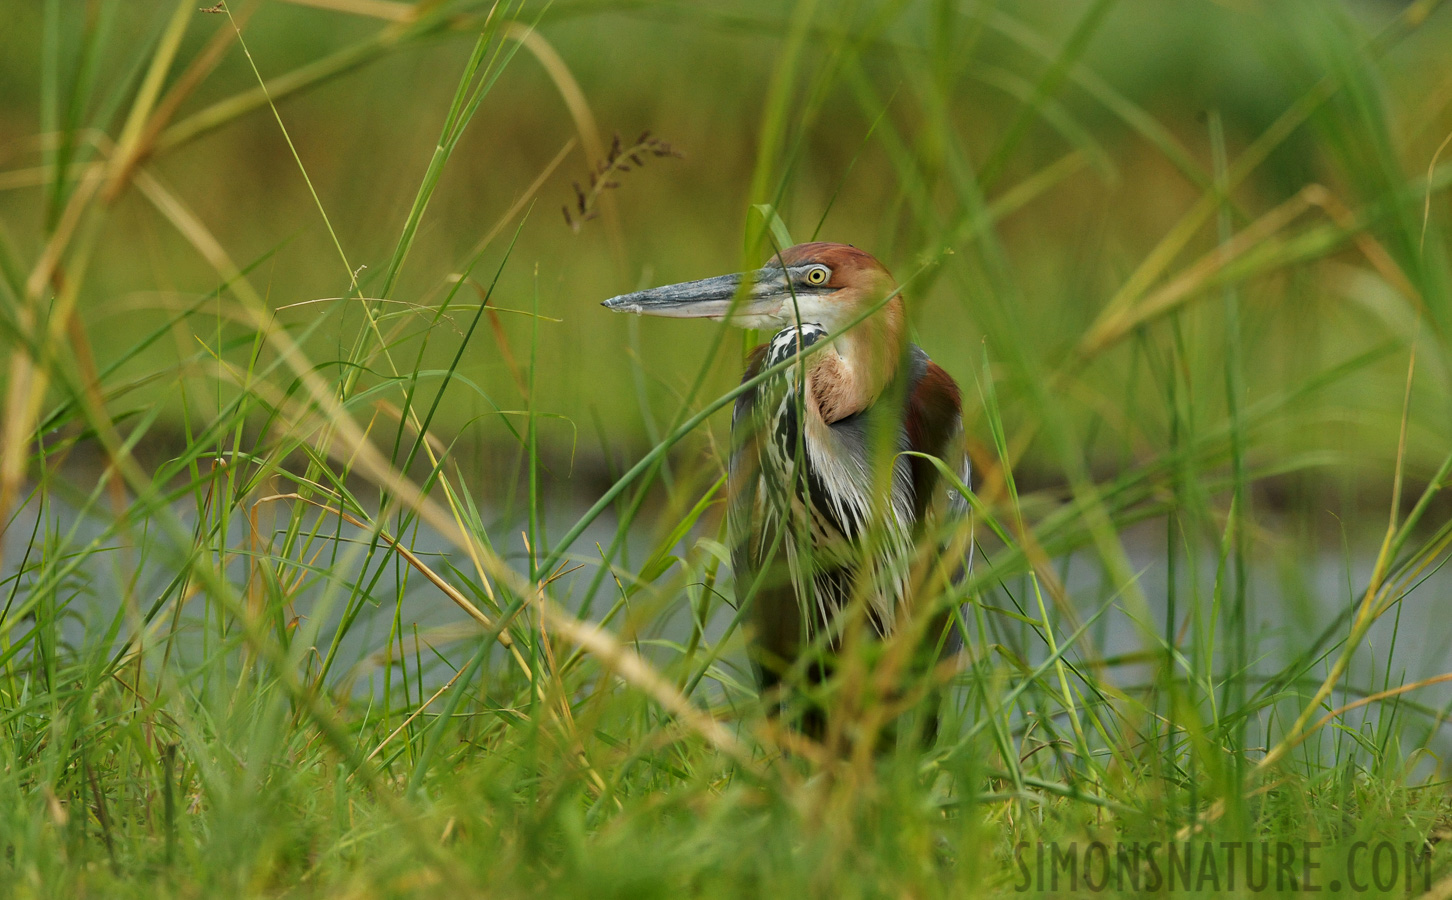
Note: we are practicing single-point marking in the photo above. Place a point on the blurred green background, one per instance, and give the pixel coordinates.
(889, 105)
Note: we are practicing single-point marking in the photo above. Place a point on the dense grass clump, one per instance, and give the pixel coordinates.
(350, 549)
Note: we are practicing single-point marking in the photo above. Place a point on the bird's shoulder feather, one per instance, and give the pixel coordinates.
(933, 422)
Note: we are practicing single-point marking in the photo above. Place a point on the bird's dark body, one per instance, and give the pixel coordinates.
(773, 473)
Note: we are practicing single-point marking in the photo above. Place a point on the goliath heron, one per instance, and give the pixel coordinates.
(834, 512)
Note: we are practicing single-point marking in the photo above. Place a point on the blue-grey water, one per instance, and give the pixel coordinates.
(1290, 602)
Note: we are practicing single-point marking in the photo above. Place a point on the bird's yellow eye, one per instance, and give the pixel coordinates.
(817, 275)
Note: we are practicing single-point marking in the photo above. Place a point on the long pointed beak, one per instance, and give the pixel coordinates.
(711, 298)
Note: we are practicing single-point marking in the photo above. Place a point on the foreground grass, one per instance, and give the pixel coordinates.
(187, 710)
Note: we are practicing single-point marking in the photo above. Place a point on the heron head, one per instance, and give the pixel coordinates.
(821, 283)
